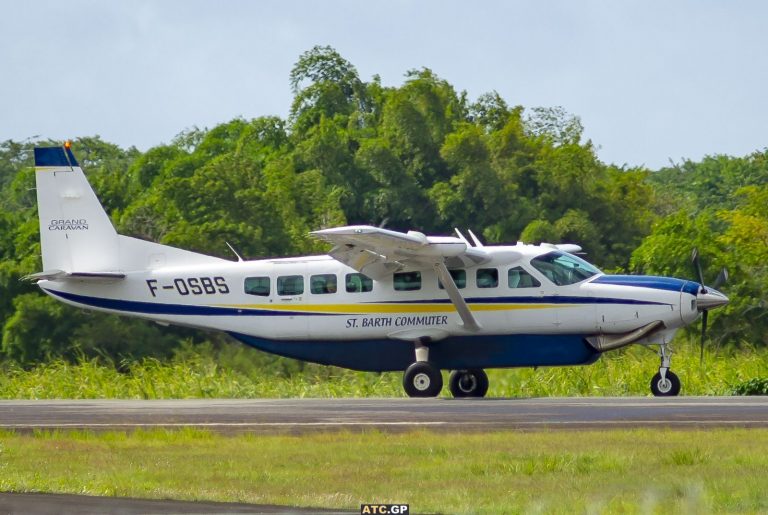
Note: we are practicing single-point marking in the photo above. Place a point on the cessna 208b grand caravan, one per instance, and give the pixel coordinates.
(380, 300)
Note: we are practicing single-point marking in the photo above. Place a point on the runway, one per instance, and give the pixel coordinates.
(297, 416)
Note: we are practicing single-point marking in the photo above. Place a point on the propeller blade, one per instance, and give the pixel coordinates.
(697, 268)
(704, 317)
(722, 278)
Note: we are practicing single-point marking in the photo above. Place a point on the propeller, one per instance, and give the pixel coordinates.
(721, 279)
(697, 266)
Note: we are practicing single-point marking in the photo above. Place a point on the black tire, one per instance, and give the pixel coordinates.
(422, 379)
(669, 389)
(469, 383)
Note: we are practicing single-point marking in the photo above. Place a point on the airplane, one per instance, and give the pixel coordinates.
(380, 300)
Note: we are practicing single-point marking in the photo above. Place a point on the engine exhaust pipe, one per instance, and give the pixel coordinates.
(606, 342)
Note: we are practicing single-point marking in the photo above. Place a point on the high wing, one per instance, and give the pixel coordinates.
(378, 252)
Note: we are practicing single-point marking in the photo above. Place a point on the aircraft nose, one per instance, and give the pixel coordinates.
(709, 298)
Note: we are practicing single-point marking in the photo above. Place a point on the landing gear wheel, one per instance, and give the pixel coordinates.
(668, 388)
(469, 383)
(422, 379)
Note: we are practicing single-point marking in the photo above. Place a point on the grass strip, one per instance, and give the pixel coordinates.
(619, 471)
(624, 372)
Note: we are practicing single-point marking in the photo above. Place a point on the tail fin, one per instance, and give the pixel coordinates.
(77, 237)
(75, 232)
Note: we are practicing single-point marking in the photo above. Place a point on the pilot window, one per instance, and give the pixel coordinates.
(358, 283)
(407, 281)
(290, 285)
(257, 286)
(563, 269)
(459, 277)
(322, 283)
(487, 277)
(519, 278)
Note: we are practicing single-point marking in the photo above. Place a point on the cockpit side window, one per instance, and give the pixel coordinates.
(563, 269)
(517, 277)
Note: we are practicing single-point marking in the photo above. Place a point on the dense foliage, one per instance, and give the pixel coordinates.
(419, 156)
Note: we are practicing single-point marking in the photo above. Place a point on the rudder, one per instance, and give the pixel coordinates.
(75, 232)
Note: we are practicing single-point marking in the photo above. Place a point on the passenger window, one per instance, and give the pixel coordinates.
(519, 278)
(323, 283)
(257, 286)
(487, 277)
(407, 281)
(358, 283)
(459, 277)
(290, 285)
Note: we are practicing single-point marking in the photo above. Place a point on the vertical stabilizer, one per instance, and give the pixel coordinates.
(75, 232)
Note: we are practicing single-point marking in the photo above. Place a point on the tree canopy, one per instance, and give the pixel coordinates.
(419, 156)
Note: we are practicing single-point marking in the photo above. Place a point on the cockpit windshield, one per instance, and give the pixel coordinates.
(563, 269)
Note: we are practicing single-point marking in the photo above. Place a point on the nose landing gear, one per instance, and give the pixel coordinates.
(665, 383)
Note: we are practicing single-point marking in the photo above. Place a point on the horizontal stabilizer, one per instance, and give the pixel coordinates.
(60, 275)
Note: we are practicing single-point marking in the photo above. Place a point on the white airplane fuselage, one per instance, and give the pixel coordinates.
(213, 296)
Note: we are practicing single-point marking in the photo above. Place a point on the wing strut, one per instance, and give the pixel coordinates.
(470, 323)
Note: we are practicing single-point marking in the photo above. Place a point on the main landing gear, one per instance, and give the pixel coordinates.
(469, 383)
(665, 383)
(423, 379)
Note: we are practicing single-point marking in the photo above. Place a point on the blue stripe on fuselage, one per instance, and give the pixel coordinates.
(549, 299)
(650, 281)
(158, 308)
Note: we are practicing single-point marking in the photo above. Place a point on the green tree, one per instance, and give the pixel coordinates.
(39, 329)
(324, 84)
(475, 194)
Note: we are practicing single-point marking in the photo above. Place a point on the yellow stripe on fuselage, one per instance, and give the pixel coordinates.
(388, 308)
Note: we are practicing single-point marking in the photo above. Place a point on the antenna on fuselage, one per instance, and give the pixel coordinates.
(234, 251)
(474, 238)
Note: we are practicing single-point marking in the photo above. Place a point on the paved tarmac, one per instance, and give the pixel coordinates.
(307, 415)
(12, 503)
